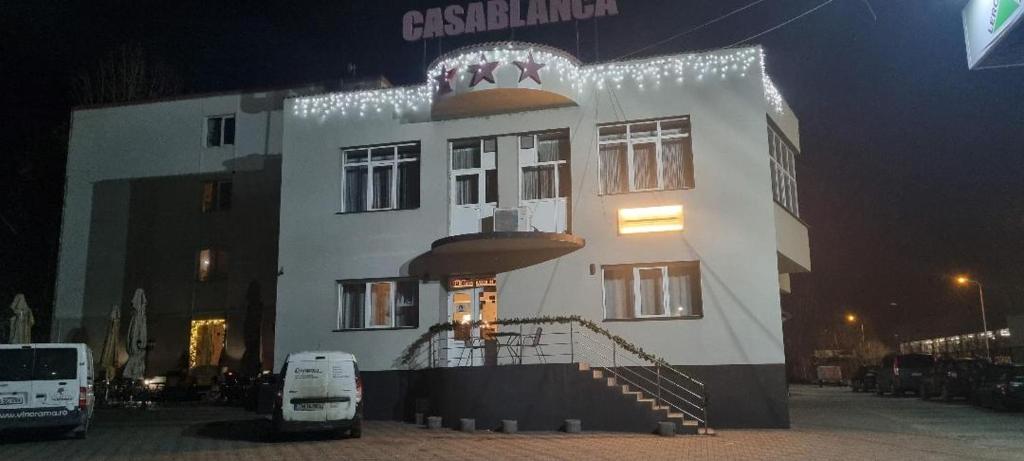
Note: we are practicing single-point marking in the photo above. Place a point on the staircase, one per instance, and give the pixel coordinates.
(662, 412)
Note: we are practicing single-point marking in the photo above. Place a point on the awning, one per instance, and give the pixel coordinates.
(491, 253)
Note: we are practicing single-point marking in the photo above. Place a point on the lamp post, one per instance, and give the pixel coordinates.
(852, 319)
(964, 281)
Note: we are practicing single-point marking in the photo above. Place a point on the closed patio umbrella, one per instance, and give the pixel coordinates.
(136, 343)
(21, 321)
(108, 359)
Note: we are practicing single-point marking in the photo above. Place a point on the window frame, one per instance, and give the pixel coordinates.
(218, 264)
(556, 165)
(218, 192)
(220, 142)
(481, 172)
(782, 164)
(368, 305)
(658, 140)
(696, 297)
(394, 163)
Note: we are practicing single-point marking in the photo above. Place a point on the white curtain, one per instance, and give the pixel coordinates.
(673, 158)
(467, 189)
(614, 169)
(645, 166)
(548, 150)
(465, 158)
(382, 186)
(618, 293)
(680, 291)
(355, 188)
(651, 302)
(353, 295)
(538, 182)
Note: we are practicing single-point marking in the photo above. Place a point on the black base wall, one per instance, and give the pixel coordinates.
(541, 397)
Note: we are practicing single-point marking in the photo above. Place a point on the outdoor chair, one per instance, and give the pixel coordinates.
(534, 342)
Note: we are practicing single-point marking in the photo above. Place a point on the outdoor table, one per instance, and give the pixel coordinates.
(512, 340)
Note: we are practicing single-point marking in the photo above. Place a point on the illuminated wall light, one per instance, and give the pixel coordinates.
(651, 219)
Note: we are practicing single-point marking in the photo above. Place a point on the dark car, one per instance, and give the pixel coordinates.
(864, 379)
(1001, 387)
(902, 373)
(952, 378)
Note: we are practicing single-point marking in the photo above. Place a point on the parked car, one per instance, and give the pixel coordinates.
(1001, 387)
(899, 374)
(46, 386)
(951, 378)
(319, 390)
(864, 379)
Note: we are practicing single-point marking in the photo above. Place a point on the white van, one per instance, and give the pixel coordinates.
(46, 386)
(319, 390)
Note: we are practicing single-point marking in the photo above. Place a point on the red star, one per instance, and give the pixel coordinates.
(444, 80)
(530, 69)
(482, 71)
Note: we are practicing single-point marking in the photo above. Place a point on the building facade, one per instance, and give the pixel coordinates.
(655, 198)
(677, 174)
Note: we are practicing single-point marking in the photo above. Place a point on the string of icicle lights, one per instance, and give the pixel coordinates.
(641, 73)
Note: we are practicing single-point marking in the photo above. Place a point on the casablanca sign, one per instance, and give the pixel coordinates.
(992, 31)
(493, 15)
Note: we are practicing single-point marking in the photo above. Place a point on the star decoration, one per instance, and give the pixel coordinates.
(444, 80)
(482, 71)
(529, 69)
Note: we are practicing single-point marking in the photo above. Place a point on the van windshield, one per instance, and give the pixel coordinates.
(15, 364)
(55, 364)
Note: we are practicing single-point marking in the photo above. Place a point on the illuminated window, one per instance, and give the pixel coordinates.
(378, 304)
(661, 290)
(220, 131)
(643, 156)
(206, 342)
(216, 196)
(212, 264)
(381, 178)
(544, 159)
(783, 165)
(652, 219)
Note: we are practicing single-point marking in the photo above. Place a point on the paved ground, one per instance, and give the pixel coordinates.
(829, 423)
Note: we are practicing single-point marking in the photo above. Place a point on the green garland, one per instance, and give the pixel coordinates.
(409, 355)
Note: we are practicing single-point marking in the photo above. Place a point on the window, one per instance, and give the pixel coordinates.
(663, 290)
(545, 160)
(378, 304)
(220, 131)
(381, 178)
(212, 264)
(473, 166)
(216, 196)
(642, 156)
(783, 165)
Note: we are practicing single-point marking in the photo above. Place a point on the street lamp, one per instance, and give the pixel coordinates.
(852, 320)
(963, 280)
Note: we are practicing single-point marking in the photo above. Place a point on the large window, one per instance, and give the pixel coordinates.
(661, 290)
(378, 304)
(220, 131)
(381, 178)
(783, 163)
(642, 156)
(212, 264)
(545, 165)
(216, 196)
(473, 178)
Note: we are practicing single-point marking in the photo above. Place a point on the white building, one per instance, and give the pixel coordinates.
(655, 200)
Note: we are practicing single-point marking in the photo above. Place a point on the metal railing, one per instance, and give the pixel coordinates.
(567, 341)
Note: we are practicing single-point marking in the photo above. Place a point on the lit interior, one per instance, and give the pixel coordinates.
(206, 342)
(651, 219)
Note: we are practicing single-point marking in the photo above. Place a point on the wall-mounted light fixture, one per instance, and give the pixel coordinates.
(652, 219)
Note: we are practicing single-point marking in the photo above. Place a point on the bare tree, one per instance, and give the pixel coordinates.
(125, 74)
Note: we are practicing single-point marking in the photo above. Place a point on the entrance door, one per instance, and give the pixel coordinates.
(473, 309)
(473, 186)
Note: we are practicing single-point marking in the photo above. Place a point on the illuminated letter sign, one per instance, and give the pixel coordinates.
(492, 15)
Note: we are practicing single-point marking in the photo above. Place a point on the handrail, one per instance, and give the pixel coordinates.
(638, 369)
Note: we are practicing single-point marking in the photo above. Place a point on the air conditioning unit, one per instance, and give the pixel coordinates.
(512, 219)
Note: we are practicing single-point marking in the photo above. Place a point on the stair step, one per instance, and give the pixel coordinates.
(598, 374)
(679, 416)
(584, 366)
(611, 381)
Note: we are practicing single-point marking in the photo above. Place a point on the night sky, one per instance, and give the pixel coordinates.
(911, 169)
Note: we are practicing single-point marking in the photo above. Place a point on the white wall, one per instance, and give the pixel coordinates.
(730, 225)
(148, 140)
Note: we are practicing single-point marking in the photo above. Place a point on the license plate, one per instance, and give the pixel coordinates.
(308, 406)
(11, 401)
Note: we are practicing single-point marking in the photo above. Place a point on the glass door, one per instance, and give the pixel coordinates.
(474, 185)
(473, 310)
